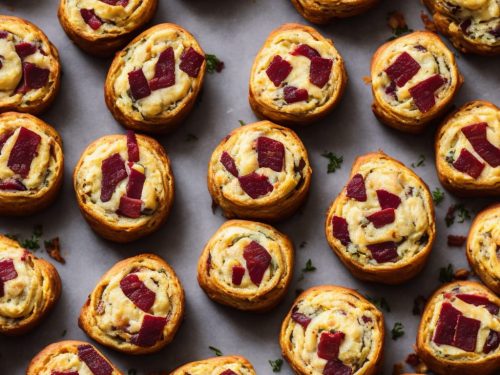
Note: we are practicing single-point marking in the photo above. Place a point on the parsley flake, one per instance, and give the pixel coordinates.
(217, 352)
(420, 162)
(276, 365)
(309, 267)
(334, 161)
(446, 273)
(437, 196)
(214, 64)
(381, 303)
(397, 331)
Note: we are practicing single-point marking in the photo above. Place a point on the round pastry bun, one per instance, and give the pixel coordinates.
(164, 102)
(158, 291)
(394, 98)
(112, 25)
(31, 71)
(483, 246)
(451, 140)
(358, 223)
(235, 363)
(278, 192)
(64, 356)
(448, 359)
(21, 312)
(157, 195)
(282, 101)
(469, 33)
(20, 196)
(324, 11)
(353, 324)
(225, 263)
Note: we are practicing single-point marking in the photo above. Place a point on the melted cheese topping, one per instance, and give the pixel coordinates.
(144, 54)
(335, 311)
(65, 362)
(283, 44)
(211, 368)
(413, 216)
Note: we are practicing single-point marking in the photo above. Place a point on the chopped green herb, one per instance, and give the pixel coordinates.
(397, 331)
(241, 122)
(303, 244)
(334, 161)
(463, 213)
(14, 237)
(191, 137)
(33, 243)
(418, 305)
(420, 162)
(217, 352)
(309, 267)
(397, 23)
(450, 157)
(64, 333)
(446, 274)
(459, 209)
(381, 303)
(276, 365)
(437, 196)
(213, 63)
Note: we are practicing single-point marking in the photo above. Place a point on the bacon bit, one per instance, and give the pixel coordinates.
(33, 78)
(150, 332)
(403, 69)
(91, 18)
(476, 134)
(356, 188)
(228, 163)
(340, 229)
(113, 172)
(238, 273)
(139, 86)
(255, 185)
(423, 93)
(306, 51)
(294, 94)
(467, 163)
(278, 70)
(191, 62)
(367, 80)
(164, 70)
(270, 153)
(461, 274)
(53, 248)
(132, 147)
(23, 152)
(95, 362)
(456, 241)
(25, 49)
(320, 70)
(384, 252)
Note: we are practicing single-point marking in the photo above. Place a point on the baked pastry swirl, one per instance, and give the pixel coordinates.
(483, 246)
(30, 70)
(153, 82)
(71, 358)
(459, 333)
(259, 171)
(31, 164)
(468, 150)
(472, 25)
(297, 77)
(100, 27)
(382, 224)
(124, 186)
(325, 11)
(226, 365)
(333, 330)
(136, 307)
(29, 288)
(414, 79)
(246, 265)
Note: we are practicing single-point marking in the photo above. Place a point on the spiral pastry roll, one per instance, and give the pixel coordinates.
(382, 224)
(29, 67)
(472, 25)
(297, 77)
(459, 333)
(227, 365)
(153, 82)
(136, 307)
(414, 79)
(259, 171)
(124, 186)
(325, 11)
(31, 164)
(483, 246)
(71, 358)
(100, 27)
(468, 150)
(333, 330)
(246, 265)
(29, 288)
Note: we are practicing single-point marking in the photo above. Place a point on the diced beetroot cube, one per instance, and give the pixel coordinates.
(391, 89)
(130, 207)
(255, 185)
(91, 18)
(113, 172)
(294, 95)
(132, 147)
(403, 69)
(150, 332)
(356, 188)
(270, 153)
(278, 70)
(3, 34)
(319, 74)
(123, 3)
(477, 300)
(423, 92)
(341, 230)
(258, 261)
(238, 273)
(135, 184)
(446, 325)
(301, 319)
(382, 217)
(306, 51)
(137, 292)
(23, 152)
(466, 333)
(388, 200)
(336, 367)
(467, 163)
(138, 84)
(164, 70)
(64, 373)
(191, 62)
(492, 342)
(4, 137)
(2, 290)
(228, 162)
(7, 271)
(456, 241)
(329, 344)
(33, 78)
(228, 372)
(384, 252)
(12, 184)
(476, 134)
(25, 49)
(94, 361)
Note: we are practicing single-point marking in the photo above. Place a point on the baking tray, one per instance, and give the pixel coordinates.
(234, 30)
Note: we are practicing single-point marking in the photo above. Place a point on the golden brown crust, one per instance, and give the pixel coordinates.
(387, 273)
(313, 11)
(270, 291)
(41, 361)
(90, 325)
(267, 109)
(104, 44)
(230, 362)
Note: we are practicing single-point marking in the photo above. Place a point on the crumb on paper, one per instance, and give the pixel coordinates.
(53, 248)
(428, 23)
